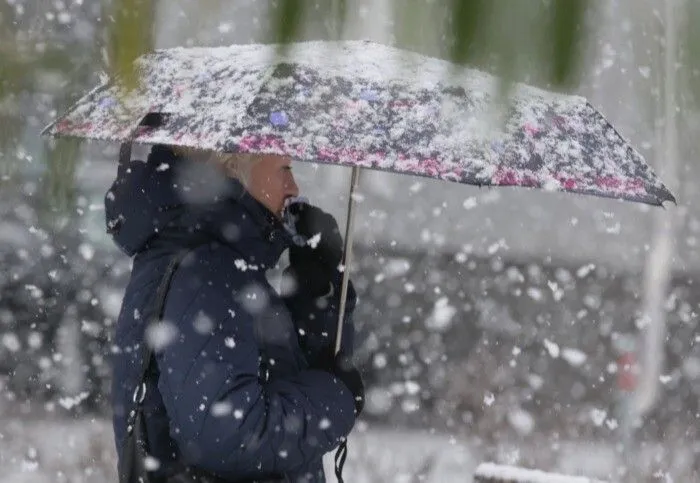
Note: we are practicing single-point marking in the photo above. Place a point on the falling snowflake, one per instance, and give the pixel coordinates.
(151, 463)
(11, 342)
(557, 293)
(552, 348)
(161, 334)
(574, 357)
(470, 203)
(203, 324)
(535, 294)
(71, 402)
(585, 270)
(314, 241)
(222, 408)
(598, 416)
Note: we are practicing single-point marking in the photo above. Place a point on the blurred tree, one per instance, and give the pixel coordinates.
(534, 36)
(48, 53)
(659, 266)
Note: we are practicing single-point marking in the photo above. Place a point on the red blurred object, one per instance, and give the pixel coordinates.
(627, 372)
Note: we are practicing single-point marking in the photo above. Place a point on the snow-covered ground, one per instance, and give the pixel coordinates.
(54, 450)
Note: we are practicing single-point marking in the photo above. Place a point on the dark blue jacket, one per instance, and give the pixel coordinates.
(207, 404)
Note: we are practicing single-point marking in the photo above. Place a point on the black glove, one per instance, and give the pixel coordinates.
(315, 265)
(341, 366)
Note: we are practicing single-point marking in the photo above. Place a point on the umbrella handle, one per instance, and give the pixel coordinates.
(347, 255)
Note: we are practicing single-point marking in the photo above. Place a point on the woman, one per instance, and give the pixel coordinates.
(244, 385)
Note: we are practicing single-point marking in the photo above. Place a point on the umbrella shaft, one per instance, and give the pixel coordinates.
(347, 254)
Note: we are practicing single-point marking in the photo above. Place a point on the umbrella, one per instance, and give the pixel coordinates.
(366, 105)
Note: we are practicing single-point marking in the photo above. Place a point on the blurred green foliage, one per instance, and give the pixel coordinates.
(540, 40)
(130, 36)
(44, 69)
(475, 32)
(567, 17)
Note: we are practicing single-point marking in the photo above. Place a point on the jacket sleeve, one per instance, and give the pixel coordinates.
(223, 417)
(316, 319)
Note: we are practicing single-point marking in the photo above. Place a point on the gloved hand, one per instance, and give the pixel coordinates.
(341, 366)
(315, 264)
(312, 222)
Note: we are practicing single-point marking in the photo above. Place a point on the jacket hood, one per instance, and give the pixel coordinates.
(169, 198)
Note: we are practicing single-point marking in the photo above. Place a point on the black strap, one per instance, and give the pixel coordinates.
(340, 455)
(150, 120)
(156, 316)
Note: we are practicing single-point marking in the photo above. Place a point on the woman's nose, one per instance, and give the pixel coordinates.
(291, 187)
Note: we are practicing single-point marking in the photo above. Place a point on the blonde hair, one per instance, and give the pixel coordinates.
(235, 165)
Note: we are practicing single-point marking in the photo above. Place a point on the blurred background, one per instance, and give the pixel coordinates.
(538, 329)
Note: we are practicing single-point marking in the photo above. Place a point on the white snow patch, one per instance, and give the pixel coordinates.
(470, 203)
(151, 463)
(314, 241)
(521, 420)
(225, 27)
(583, 271)
(71, 402)
(412, 387)
(396, 267)
(598, 416)
(441, 317)
(86, 251)
(535, 294)
(552, 348)
(11, 342)
(378, 401)
(535, 381)
(161, 334)
(243, 266)
(203, 324)
(557, 292)
(221, 408)
(574, 357)
(504, 473)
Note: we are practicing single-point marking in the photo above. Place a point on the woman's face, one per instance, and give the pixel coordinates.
(271, 182)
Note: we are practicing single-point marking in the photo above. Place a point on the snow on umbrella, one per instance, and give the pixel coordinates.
(362, 104)
(365, 105)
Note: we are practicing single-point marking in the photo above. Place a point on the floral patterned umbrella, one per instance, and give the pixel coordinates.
(362, 104)
(365, 105)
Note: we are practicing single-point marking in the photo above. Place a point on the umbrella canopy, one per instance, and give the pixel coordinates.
(362, 104)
